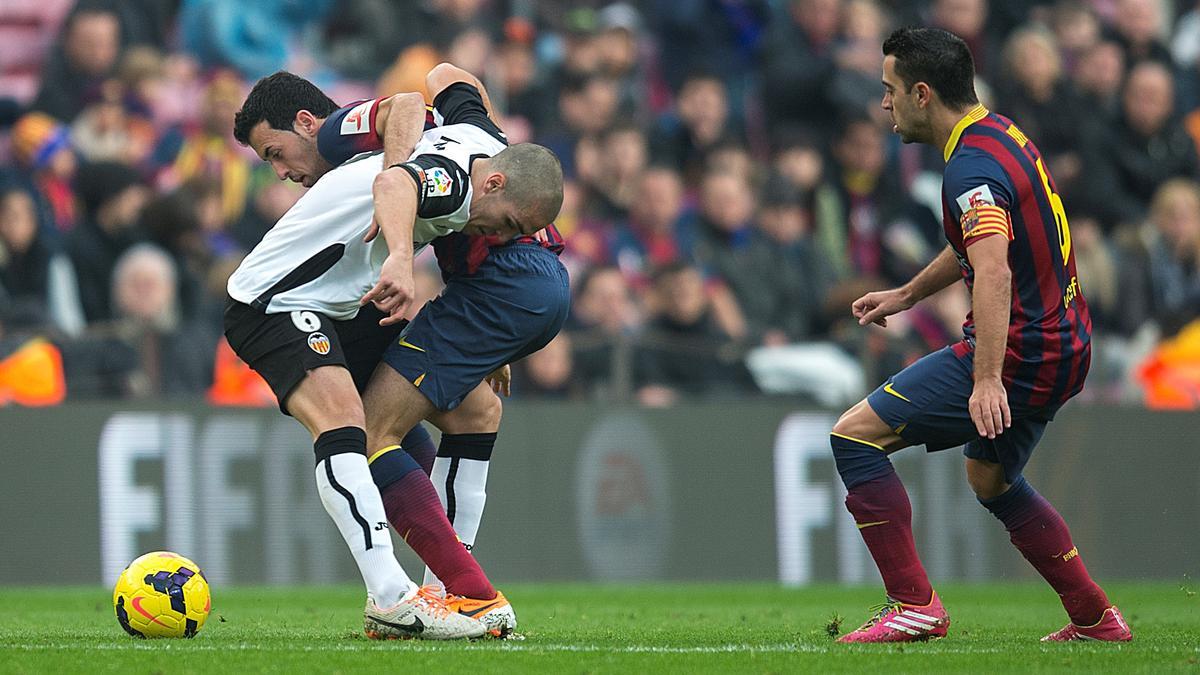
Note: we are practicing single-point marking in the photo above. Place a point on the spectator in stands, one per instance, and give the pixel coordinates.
(623, 154)
(619, 43)
(1098, 79)
(1137, 26)
(1149, 147)
(1044, 104)
(1160, 278)
(86, 57)
(700, 122)
(527, 99)
(604, 320)
(207, 150)
(587, 105)
(172, 222)
(657, 233)
(803, 274)
(854, 87)
(684, 351)
(887, 235)
(42, 148)
(176, 357)
(113, 196)
(1077, 30)
(35, 274)
(968, 20)
(717, 37)
(798, 65)
(733, 254)
(252, 37)
(547, 374)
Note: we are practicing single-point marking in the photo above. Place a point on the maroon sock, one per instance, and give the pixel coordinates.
(1041, 535)
(884, 517)
(416, 513)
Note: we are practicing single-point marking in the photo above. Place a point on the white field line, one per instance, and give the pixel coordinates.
(499, 648)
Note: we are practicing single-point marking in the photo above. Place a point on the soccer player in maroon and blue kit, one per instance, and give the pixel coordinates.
(1025, 350)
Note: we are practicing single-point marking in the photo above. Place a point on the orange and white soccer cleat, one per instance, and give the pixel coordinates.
(497, 614)
(1110, 628)
(897, 622)
(424, 616)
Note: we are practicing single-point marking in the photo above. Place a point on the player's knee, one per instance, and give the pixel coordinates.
(986, 479)
(861, 423)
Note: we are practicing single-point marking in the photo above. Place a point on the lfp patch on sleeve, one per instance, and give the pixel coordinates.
(438, 182)
(975, 197)
(358, 120)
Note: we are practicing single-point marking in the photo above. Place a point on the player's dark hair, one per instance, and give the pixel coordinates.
(936, 57)
(277, 98)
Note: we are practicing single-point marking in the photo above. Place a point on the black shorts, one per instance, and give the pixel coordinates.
(284, 347)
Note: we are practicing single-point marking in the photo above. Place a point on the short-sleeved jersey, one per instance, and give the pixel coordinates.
(458, 105)
(314, 257)
(351, 130)
(996, 184)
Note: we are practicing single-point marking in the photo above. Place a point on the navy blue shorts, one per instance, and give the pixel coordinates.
(927, 404)
(512, 306)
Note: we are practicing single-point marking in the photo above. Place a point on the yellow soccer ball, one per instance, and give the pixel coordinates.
(162, 594)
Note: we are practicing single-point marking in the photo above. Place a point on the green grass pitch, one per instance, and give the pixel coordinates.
(598, 629)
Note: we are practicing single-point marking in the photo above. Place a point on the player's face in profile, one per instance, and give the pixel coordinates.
(292, 154)
(493, 216)
(899, 102)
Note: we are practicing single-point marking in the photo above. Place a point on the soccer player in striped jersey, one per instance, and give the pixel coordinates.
(469, 432)
(1025, 350)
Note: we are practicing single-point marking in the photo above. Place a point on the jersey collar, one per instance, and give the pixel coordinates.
(977, 113)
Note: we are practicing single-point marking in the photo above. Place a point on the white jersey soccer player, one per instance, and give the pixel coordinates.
(326, 227)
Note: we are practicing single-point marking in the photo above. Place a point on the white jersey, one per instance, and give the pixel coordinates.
(315, 257)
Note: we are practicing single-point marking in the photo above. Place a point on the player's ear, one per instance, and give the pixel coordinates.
(495, 182)
(924, 94)
(306, 123)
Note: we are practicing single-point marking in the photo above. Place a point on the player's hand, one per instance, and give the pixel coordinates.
(372, 231)
(500, 380)
(989, 408)
(394, 292)
(876, 306)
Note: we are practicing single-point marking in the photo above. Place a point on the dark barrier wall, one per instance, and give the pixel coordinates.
(730, 491)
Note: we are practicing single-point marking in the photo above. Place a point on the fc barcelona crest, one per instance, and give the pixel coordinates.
(319, 343)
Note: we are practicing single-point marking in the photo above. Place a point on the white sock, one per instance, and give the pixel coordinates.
(352, 500)
(462, 486)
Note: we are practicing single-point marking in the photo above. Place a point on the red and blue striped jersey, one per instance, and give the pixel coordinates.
(996, 184)
(351, 130)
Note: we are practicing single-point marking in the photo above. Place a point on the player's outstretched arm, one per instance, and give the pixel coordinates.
(876, 306)
(991, 304)
(445, 74)
(395, 192)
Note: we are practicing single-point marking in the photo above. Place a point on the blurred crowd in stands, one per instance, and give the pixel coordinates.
(732, 184)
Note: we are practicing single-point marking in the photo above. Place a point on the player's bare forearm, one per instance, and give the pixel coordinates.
(445, 74)
(400, 121)
(991, 305)
(395, 196)
(938, 274)
(395, 211)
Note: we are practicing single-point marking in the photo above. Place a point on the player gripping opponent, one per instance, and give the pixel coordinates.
(510, 291)
(1024, 353)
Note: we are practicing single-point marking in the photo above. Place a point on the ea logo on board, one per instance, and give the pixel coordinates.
(623, 500)
(319, 343)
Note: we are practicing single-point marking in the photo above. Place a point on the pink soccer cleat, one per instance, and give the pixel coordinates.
(1110, 628)
(897, 622)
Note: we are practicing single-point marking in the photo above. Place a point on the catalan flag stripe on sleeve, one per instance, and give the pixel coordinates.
(984, 220)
